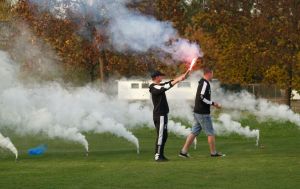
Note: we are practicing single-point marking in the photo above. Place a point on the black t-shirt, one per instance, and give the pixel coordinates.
(159, 98)
(203, 98)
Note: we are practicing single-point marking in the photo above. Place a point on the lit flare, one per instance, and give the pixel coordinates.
(191, 66)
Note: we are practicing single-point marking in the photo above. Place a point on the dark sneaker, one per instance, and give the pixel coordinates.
(183, 155)
(218, 154)
(160, 158)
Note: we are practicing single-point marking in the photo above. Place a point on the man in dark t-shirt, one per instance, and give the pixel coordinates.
(202, 116)
(161, 110)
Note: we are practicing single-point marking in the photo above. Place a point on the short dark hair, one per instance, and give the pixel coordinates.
(207, 70)
(156, 73)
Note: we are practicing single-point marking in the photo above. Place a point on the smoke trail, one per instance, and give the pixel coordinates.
(126, 29)
(223, 125)
(111, 112)
(241, 102)
(182, 109)
(180, 130)
(42, 120)
(261, 108)
(138, 115)
(98, 113)
(65, 108)
(103, 124)
(64, 112)
(56, 111)
(19, 113)
(230, 126)
(6, 71)
(39, 60)
(7, 144)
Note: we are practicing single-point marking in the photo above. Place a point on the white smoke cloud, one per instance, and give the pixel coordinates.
(128, 30)
(6, 143)
(263, 109)
(22, 109)
(56, 111)
(65, 112)
(225, 124)
(182, 109)
(8, 72)
(109, 125)
(37, 59)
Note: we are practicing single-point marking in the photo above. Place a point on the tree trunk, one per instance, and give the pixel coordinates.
(288, 90)
(101, 69)
(288, 94)
(102, 64)
(93, 72)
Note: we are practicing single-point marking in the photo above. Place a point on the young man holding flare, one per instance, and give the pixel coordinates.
(161, 110)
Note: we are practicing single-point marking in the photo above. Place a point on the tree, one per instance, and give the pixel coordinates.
(251, 41)
(85, 57)
(5, 13)
(74, 52)
(283, 26)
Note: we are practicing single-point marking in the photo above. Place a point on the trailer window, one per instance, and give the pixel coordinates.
(135, 85)
(145, 85)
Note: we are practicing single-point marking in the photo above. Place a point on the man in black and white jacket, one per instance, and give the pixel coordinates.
(161, 110)
(202, 116)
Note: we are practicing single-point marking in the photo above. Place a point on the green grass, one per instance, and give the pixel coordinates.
(113, 162)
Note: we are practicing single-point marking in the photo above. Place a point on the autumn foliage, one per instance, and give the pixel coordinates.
(245, 41)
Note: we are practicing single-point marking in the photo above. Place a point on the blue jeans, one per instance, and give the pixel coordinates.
(203, 121)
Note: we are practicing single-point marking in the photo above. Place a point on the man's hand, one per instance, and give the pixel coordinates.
(182, 77)
(217, 105)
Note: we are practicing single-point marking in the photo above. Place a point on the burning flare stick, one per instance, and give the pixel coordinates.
(191, 66)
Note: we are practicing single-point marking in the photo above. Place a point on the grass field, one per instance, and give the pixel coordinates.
(113, 162)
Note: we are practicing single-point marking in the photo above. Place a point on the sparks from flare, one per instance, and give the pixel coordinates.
(192, 64)
(191, 67)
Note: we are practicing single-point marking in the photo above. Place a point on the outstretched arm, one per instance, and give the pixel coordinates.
(157, 89)
(178, 79)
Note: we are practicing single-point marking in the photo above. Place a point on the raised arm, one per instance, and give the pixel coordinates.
(178, 79)
(160, 88)
(157, 89)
